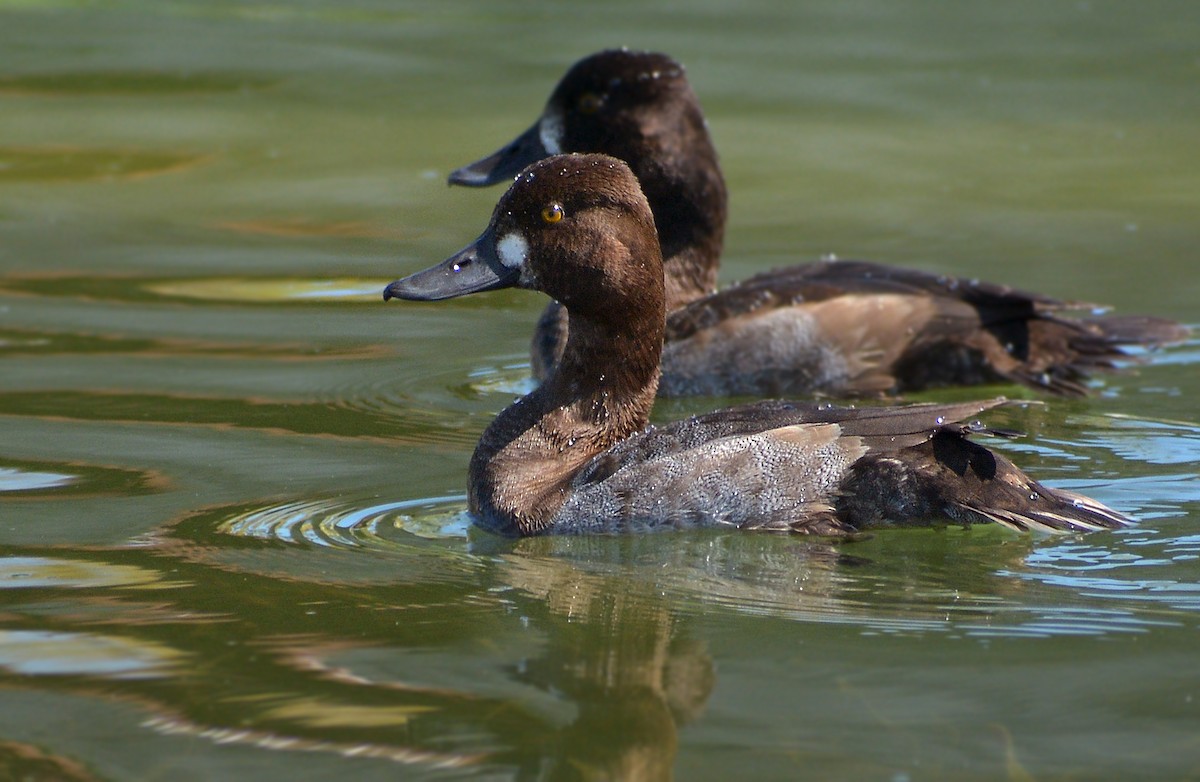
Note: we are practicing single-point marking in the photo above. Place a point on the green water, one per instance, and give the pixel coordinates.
(232, 539)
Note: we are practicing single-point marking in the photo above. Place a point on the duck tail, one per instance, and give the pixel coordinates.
(1138, 330)
(1059, 354)
(1055, 510)
(952, 477)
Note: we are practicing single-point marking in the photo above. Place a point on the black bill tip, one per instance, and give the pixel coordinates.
(473, 269)
(505, 163)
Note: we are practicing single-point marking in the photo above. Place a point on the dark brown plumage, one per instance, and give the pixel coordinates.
(575, 455)
(848, 328)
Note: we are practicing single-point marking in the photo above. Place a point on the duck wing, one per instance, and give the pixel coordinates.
(860, 328)
(897, 426)
(818, 469)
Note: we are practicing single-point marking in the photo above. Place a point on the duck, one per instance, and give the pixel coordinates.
(577, 453)
(832, 328)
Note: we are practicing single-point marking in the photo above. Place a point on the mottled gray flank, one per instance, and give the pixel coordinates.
(816, 469)
(775, 479)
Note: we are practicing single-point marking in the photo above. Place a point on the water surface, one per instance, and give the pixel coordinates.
(233, 540)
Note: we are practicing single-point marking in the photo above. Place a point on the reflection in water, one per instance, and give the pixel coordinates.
(43, 572)
(21, 480)
(330, 522)
(274, 289)
(170, 724)
(511, 378)
(327, 540)
(28, 762)
(617, 652)
(256, 692)
(73, 164)
(611, 647)
(372, 418)
(876, 585)
(1142, 569)
(24, 479)
(45, 653)
(240, 290)
(195, 195)
(872, 583)
(555, 658)
(55, 343)
(1153, 442)
(301, 228)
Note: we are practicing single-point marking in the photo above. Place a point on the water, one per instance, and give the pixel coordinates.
(232, 531)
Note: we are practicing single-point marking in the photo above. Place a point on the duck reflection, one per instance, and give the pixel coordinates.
(552, 658)
(621, 657)
(619, 649)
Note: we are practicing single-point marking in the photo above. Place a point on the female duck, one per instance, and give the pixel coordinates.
(836, 328)
(575, 455)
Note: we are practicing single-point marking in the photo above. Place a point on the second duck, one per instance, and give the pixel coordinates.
(840, 328)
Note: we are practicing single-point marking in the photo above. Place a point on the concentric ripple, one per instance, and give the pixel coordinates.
(429, 405)
(509, 378)
(338, 524)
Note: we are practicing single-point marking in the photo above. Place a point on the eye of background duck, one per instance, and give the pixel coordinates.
(590, 103)
(552, 213)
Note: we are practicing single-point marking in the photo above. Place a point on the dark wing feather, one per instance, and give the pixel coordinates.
(888, 428)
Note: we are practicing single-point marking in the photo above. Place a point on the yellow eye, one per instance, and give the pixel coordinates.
(552, 213)
(590, 103)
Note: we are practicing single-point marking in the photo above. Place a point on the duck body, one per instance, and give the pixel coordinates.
(844, 328)
(576, 454)
(805, 468)
(857, 328)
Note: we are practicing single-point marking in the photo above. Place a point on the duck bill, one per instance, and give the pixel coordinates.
(504, 164)
(473, 269)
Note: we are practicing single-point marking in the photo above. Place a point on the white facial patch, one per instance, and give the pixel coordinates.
(550, 131)
(512, 249)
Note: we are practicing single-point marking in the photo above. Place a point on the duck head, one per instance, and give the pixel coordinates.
(617, 102)
(576, 227)
(637, 107)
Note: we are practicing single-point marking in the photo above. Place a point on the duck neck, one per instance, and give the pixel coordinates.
(686, 191)
(600, 393)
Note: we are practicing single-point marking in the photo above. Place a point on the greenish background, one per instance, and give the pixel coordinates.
(232, 539)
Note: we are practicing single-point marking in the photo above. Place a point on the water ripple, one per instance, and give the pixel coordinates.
(1152, 442)
(43, 572)
(75, 163)
(328, 541)
(510, 378)
(49, 653)
(21, 480)
(972, 583)
(337, 524)
(269, 290)
(1139, 566)
(24, 479)
(1052, 621)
